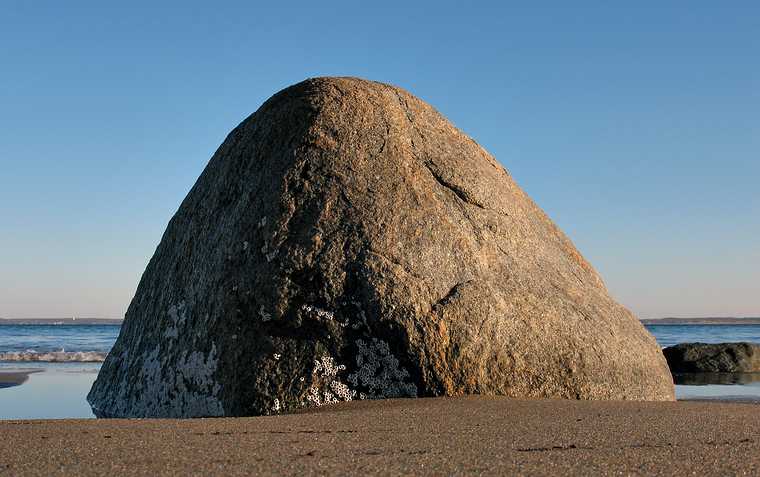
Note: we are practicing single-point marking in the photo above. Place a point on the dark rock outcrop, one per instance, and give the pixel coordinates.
(713, 358)
(347, 241)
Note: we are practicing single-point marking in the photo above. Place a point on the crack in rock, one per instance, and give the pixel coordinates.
(447, 298)
(462, 194)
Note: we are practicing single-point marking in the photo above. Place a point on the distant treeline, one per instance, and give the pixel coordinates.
(60, 321)
(704, 321)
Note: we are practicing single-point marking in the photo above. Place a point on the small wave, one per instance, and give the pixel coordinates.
(54, 356)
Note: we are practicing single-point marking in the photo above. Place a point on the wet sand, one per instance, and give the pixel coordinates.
(15, 377)
(473, 435)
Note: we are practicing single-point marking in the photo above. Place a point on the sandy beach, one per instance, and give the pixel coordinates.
(15, 377)
(472, 435)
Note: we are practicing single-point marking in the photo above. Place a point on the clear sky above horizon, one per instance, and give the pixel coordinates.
(636, 127)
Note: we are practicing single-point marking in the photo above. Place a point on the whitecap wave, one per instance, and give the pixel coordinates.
(54, 356)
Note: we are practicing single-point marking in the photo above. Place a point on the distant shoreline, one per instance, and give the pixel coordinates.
(60, 321)
(703, 321)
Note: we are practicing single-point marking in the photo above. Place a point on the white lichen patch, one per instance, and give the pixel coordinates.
(264, 315)
(177, 318)
(185, 388)
(268, 254)
(321, 314)
(327, 387)
(379, 372)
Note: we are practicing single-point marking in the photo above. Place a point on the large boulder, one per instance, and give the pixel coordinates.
(713, 358)
(346, 241)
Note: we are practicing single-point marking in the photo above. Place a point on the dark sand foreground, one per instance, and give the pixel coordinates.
(475, 435)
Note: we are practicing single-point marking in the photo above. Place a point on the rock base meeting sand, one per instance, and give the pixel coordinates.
(443, 436)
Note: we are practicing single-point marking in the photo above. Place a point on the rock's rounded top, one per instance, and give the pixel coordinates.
(331, 87)
(347, 240)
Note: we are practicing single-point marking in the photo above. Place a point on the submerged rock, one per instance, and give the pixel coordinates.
(346, 241)
(713, 358)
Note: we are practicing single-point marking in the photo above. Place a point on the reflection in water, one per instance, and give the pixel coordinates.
(57, 392)
(60, 390)
(743, 387)
(702, 379)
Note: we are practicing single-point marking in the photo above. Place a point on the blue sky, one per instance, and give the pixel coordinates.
(637, 128)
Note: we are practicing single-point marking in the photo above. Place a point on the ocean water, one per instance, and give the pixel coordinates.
(67, 358)
(56, 343)
(745, 387)
(669, 335)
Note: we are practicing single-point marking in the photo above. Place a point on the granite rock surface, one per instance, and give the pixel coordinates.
(346, 241)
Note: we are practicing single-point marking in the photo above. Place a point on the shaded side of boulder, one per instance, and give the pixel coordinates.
(347, 241)
(713, 358)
